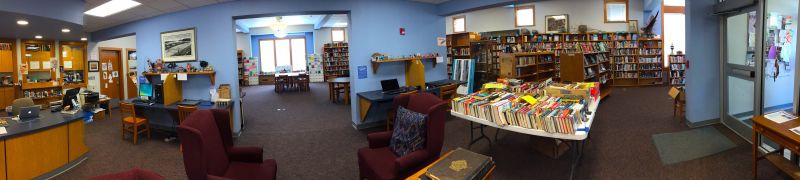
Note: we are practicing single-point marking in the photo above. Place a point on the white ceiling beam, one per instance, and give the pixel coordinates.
(322, 21)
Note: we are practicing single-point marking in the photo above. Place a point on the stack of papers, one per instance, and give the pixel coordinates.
(780, 116)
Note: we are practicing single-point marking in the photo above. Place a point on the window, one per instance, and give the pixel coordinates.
(674, 2)
(459, 24)
(282, 54)
(524, 16)
(337, 35)
(616, 11)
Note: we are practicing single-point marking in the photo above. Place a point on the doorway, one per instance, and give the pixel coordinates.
(111, 83)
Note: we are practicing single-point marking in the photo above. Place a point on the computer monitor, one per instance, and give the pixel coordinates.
(145, 90)
(69, 96)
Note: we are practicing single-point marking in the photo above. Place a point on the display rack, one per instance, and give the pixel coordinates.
(677, 70)
(336, 60)
(73, 57)
(39, 81)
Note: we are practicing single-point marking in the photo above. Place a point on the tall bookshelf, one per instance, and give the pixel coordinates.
(240, 61)
(677, 70)
(533, 66)
(73, 57)
(459, 47)
(39, 77)
(336, 60)
(651, 62)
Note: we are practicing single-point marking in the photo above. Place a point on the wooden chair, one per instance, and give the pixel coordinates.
(303, 82)
(448, 92)
(131, 123)
(281, 82)
(183, 112)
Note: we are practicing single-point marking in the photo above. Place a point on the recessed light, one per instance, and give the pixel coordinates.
(66, 30)
(112, 7)
(22, 22)
(38, 36)
(83, 39)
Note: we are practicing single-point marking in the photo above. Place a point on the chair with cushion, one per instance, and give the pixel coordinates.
(208, 151)
(381, 161)
(20, 103)
(133, 174)
(132, 123)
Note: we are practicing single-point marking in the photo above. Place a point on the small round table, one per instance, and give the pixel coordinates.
(339, 82)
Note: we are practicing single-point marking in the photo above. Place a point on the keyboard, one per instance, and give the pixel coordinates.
(141, 101)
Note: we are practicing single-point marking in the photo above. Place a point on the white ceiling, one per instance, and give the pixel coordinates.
(432, 1)
(148, 8)
(328, 20)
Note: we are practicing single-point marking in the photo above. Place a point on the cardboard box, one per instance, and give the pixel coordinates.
(224, 91)
(574, 91)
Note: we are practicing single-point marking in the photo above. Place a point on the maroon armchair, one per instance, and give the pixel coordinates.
(208, 151)
(379, 162)
(133, 174)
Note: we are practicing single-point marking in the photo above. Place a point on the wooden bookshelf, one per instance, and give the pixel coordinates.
(8, 72)
(211, 74)
(531, 66)
(73, 58)
(587, 67)
(336, 60)
(242, 73)
(677, 70)
(459, 47)
(40, 83)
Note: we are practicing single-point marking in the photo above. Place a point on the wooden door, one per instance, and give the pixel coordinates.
(110, 65)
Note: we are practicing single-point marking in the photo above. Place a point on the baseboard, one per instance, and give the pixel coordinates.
(702, 123)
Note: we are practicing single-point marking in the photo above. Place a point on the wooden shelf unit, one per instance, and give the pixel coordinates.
(336, 60)
(211, 74)
(587, 67)
(46, 83)
(528, 66)
(76, 75)
(240, 61)
(8, 71)
(677, 70)
(377, 64)
(459, 47)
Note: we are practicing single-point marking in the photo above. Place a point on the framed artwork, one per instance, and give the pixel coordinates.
(556, 23)
(94, 66)
(633, 26)
(179, 45)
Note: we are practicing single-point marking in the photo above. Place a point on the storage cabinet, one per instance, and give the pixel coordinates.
(7, 96)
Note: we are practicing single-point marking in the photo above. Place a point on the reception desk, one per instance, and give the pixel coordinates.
(42, 147)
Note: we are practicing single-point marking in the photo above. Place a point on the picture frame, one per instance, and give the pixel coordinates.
(556, 23)
(94, 66)
(179, 45)
(633, 26)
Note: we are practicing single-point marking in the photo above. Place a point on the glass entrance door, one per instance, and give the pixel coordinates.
(780, 47)
(740, 70)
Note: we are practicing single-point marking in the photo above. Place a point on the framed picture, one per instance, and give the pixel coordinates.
(94, 66)
(556, 23)
(633, 26)
(179, 45)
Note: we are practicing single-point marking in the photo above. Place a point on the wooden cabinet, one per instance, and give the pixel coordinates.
(6, 61)
(7, 96)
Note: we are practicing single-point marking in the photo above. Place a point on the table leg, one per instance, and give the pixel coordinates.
(755, 153)
(483, 135)
(347, 93)
(330, 91)
(576, 157)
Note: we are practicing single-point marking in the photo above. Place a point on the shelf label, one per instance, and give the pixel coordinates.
(493, 86)
(529, 99)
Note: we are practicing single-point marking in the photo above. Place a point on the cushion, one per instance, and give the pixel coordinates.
(244, 170)
(409, 132)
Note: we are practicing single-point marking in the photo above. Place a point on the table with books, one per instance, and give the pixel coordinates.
(545, 109)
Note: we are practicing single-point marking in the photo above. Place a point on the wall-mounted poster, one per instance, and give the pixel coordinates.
(179, 45)
(556, 23)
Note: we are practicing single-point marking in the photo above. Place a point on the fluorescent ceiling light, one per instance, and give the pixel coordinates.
(38, 36)
(22, 22)
(112, 7)
(66, 30)
(83, 39)
(340, 24)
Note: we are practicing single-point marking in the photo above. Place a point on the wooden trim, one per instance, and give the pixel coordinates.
(344, 34)
(517, 8)
(605, 10)
(673, 9)
(454, 23)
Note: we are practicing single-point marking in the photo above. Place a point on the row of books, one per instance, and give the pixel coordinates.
(677, 66)
(650, 60)
(624, 59)
(625, 44)
(620, 52)
(650, 74)
(547, 113)
(621, 75)
(649, 51)
(678, 81)
(460, 51)
(588, 47)
(677, 59)
(651, 44)
(625, 67)
(650, 66)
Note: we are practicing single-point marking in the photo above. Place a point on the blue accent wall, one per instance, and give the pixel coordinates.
(374, 27)
(702, 76)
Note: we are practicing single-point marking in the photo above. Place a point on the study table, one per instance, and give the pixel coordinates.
(576, 140)
(165, 117)
(785, 138)
(43, 147)
(375, 105)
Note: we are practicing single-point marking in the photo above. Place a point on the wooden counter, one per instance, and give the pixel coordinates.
(43, 147)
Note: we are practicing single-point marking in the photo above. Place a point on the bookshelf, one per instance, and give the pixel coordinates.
(73, 57)
(8, 72)
(651, 62)
(242, 73)
(532, 66)
(459, 47)
(587, 67)
(336, 60)
(39, 77)
(677, 70)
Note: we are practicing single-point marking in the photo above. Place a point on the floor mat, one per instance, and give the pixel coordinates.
(691, 144)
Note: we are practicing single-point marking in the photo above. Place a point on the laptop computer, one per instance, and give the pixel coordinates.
(390, 86)
(31, 112)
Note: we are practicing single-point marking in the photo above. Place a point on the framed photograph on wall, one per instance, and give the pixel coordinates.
(94, 66)
(633, 26)
(556, 23)
(179, 45)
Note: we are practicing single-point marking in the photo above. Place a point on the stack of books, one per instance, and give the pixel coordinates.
(539, 111)
(460, 164)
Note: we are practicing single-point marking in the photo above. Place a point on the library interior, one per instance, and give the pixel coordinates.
(416, 89)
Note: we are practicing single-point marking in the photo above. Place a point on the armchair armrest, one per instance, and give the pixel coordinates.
(410, 160)
(246, 154)
(379, 139)
(212, 177)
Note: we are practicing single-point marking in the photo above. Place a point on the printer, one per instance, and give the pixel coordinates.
(87, 97)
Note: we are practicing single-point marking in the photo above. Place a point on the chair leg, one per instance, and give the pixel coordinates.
(135, 133)
(148, 130)
(123, 131)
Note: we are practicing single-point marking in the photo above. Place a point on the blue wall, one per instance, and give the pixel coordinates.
(256, 46)
(702, 76)
(373, 24)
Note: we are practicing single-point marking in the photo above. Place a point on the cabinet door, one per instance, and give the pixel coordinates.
(6, 96)
(6, 61)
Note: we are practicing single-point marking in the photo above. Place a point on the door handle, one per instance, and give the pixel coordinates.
(742, 72)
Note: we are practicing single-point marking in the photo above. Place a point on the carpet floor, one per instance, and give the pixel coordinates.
(312, 138)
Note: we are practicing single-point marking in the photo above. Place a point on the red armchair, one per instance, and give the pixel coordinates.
(208, 151)
(379, 162)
